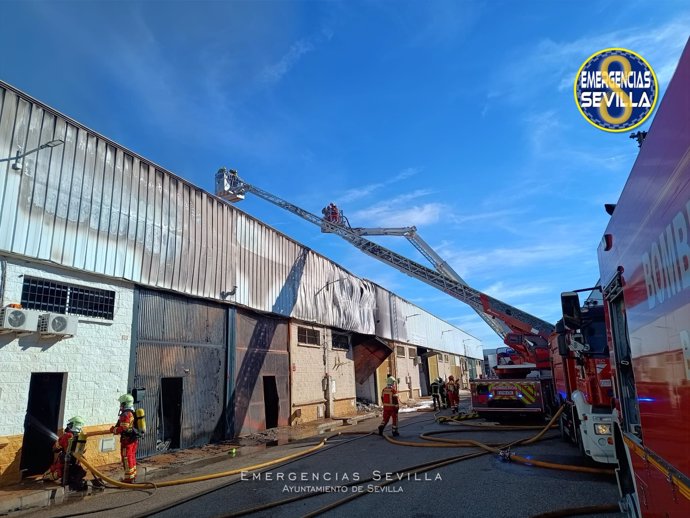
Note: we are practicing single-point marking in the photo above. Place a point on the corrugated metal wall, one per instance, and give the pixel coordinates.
(261, 350)
(185, 338)
(92, 205)
(402, 321)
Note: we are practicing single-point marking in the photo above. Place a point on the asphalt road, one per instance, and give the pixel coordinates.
(479, 487)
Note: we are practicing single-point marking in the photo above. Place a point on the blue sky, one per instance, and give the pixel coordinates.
(456, 117)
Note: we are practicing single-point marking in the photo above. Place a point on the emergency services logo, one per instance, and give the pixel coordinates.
(616, 90)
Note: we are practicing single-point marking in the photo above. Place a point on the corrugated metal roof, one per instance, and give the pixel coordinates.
(92, 205)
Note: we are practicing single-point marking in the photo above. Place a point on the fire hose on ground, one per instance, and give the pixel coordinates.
(503, 450)
(429, 466)
(168, 483)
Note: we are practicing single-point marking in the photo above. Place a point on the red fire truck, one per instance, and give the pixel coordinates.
(644, 262)
(523, 384)
(582, 376)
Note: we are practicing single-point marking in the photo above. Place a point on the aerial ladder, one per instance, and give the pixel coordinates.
(510, 323)
(333, 215)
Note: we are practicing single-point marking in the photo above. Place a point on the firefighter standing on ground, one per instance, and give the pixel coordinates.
(389, 397)
(436, 393)
(453, 393)
(129, 437)
(66, 468)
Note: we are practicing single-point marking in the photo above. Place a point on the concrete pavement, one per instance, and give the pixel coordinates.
(32, 493)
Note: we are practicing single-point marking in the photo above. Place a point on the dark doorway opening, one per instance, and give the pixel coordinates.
(43, 418)
(170, 414)
(424, 377)
(271, 401)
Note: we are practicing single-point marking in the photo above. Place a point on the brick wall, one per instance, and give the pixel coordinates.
(96, 361)
(309, 364)
(407, 372)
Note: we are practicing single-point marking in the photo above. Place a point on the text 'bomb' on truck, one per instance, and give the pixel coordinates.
(644, 266)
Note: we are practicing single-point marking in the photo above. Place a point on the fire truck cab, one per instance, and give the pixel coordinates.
(582, 377)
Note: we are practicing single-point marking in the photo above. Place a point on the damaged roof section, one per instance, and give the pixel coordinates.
(89, 204)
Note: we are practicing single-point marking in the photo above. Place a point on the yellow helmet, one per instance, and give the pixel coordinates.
(75, 423)
(126, 399)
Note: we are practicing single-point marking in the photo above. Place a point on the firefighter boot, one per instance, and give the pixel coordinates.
(381, 430)
(395, 432)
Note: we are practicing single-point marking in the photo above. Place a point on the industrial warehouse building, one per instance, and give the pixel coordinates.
(117, 275)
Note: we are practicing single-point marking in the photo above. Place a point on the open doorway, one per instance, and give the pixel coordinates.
(271, 401)
(170, 414)
(44, 413)
(423, 366)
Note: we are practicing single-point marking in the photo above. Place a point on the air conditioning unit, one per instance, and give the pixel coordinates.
(57, 324)
(20, 321)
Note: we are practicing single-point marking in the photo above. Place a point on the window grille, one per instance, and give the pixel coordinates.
(58, 297)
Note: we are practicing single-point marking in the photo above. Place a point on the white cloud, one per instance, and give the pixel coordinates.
(501, 291)
(275, 72)
(358, 193)
(392, 215)
(473, 263)
(558, 61)
(398, 211)
(366, 190)
(661, 47)
(487, 217)
(404, 174)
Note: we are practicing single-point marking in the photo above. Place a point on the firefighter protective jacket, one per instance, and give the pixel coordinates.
(389, 396)
(125, 427)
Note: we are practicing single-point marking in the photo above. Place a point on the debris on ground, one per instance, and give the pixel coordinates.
(364, 406)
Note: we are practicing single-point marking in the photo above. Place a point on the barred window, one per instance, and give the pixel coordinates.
(411, 352)
(58, 297)
(400, 351)
(340, 341)
(445, 358)
(308, 336)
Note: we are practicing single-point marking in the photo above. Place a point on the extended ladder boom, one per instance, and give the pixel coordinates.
(439, 264)
(410, 233)
(503, 318)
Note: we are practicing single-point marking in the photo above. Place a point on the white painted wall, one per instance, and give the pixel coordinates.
(96, 360)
